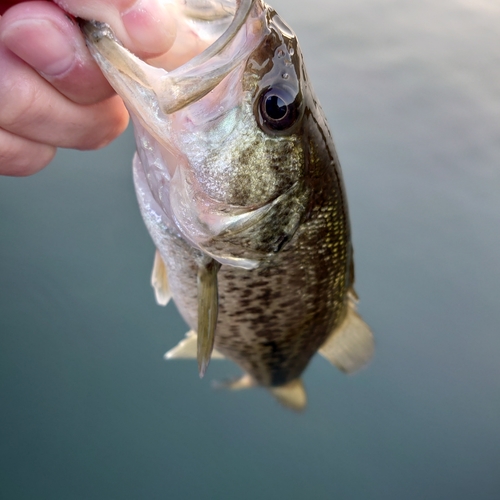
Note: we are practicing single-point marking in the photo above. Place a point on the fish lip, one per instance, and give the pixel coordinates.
(94, 30)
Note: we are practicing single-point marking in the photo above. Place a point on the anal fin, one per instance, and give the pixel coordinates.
(291, 395)
(350, 346)
(159, 281)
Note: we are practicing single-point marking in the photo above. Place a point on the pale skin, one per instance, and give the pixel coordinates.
(52, 94)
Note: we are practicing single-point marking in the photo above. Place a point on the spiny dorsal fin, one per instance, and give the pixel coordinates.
(159, 281)
(208, 308)
(291, 395)
(187, 348)
(351, 345)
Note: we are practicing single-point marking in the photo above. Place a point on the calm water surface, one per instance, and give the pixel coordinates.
(88, 407)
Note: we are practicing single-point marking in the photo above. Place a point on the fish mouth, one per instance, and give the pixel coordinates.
(174, 90)
(156, 99)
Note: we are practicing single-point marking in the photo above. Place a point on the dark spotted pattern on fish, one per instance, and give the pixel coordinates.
(273, 319)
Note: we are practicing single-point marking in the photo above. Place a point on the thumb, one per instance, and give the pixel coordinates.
(146, 27)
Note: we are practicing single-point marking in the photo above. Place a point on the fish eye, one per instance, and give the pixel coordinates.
(278, 109)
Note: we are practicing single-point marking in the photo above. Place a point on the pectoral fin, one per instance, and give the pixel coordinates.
(351, 345)
(187, 348)
(159, 281)
(208, 306)
(291, 395)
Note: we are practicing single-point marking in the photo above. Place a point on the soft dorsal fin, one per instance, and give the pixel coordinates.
(159, 281)
(292, 395)
(187, 348)
(350, 346)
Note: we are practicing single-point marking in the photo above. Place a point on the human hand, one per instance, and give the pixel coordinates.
(52, 94)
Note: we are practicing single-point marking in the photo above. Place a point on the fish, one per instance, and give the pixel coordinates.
(240, 187)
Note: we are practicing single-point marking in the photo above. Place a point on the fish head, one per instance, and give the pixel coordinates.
(220, 138)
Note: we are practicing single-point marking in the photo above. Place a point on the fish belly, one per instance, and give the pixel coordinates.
(271, 319)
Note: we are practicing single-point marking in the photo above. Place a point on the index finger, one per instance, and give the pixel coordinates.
(48, 40)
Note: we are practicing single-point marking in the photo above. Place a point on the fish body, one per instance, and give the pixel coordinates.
(240, 187)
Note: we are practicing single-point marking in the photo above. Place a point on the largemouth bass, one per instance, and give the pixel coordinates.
(240, 187)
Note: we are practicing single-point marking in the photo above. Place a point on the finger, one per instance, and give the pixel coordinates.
(31, 108)
(41, 34)
(143, 26)
(7, 4)
(21, 157)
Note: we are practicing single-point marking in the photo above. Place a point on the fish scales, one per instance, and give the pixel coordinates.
(245, 174)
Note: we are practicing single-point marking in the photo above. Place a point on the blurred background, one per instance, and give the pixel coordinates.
(90, 410)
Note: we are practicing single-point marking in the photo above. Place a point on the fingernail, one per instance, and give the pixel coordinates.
(150, 26)
(41, 44)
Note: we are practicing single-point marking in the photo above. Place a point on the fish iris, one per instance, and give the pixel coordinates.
(278, 109)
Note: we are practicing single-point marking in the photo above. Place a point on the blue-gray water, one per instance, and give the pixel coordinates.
(90, 410)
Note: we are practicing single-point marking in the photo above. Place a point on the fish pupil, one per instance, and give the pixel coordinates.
(276, 108)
